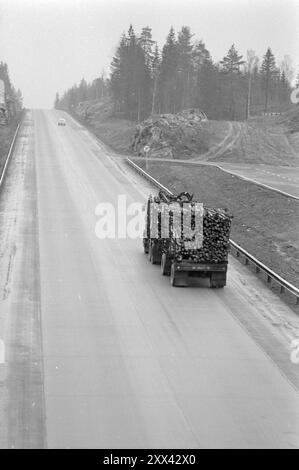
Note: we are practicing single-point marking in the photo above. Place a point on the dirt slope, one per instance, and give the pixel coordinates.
(260, 140)
(272, 140)
(99, 117)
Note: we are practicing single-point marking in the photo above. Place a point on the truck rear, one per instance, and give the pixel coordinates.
(188, 240)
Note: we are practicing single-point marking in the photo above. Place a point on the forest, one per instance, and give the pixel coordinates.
(145, 80)
(13, 98)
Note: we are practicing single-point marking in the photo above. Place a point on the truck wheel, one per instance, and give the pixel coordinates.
(217, 285)
(150, 253)
(165, 265)
(145, 245)
(178, 278)
(172, 276)
(154, 254)
(218, 280)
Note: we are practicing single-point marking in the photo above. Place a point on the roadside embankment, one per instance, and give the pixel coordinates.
(6, 136)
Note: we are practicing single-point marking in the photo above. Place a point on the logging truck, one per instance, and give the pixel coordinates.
(187, 239)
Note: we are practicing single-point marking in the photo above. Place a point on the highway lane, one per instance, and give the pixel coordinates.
(21, 377)
(129, 361)
(282, 178)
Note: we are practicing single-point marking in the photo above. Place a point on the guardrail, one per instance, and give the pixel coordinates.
(238, 252)
(270, 275)
(11, 148)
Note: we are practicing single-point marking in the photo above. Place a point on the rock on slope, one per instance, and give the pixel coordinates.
(171, 135)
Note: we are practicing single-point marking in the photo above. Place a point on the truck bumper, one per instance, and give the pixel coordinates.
(208, 268)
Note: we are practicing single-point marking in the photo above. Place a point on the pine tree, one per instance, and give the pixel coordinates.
(167, 76)
(232, 61)
(56, 103)
(184, 67)
(4, 75)
(19, 97)
(203, 86)
(146, 42)
(117, 77)
(284, 89)
(268, 71)
(82, 91)
(200, 55)
(13, 98)
(131, 77)
(231, 64)
(134, 61)
(155, 75)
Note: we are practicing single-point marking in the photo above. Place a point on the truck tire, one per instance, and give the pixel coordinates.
(172, 276)
(218, 280)
(165, 265)
(145, 245)
(217, 285)
(178, 279)
(150, 254)
(153, 254)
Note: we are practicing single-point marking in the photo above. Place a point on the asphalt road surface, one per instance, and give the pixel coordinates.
(100, 350)
(283, 178)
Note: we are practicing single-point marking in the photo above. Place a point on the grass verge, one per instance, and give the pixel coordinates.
(117, 133)
(6, 136)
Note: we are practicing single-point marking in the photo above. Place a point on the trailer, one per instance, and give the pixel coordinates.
(187, 239)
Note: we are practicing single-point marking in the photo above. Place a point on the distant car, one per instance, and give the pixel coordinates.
(61, 122)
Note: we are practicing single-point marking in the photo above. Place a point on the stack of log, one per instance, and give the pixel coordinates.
(215, 231)
(215, 245)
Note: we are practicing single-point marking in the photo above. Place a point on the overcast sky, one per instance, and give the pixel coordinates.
(50, 44)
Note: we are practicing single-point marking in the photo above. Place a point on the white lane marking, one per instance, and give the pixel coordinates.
(280, 176)
(258, 183)
(2, 352)
(251, 179)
